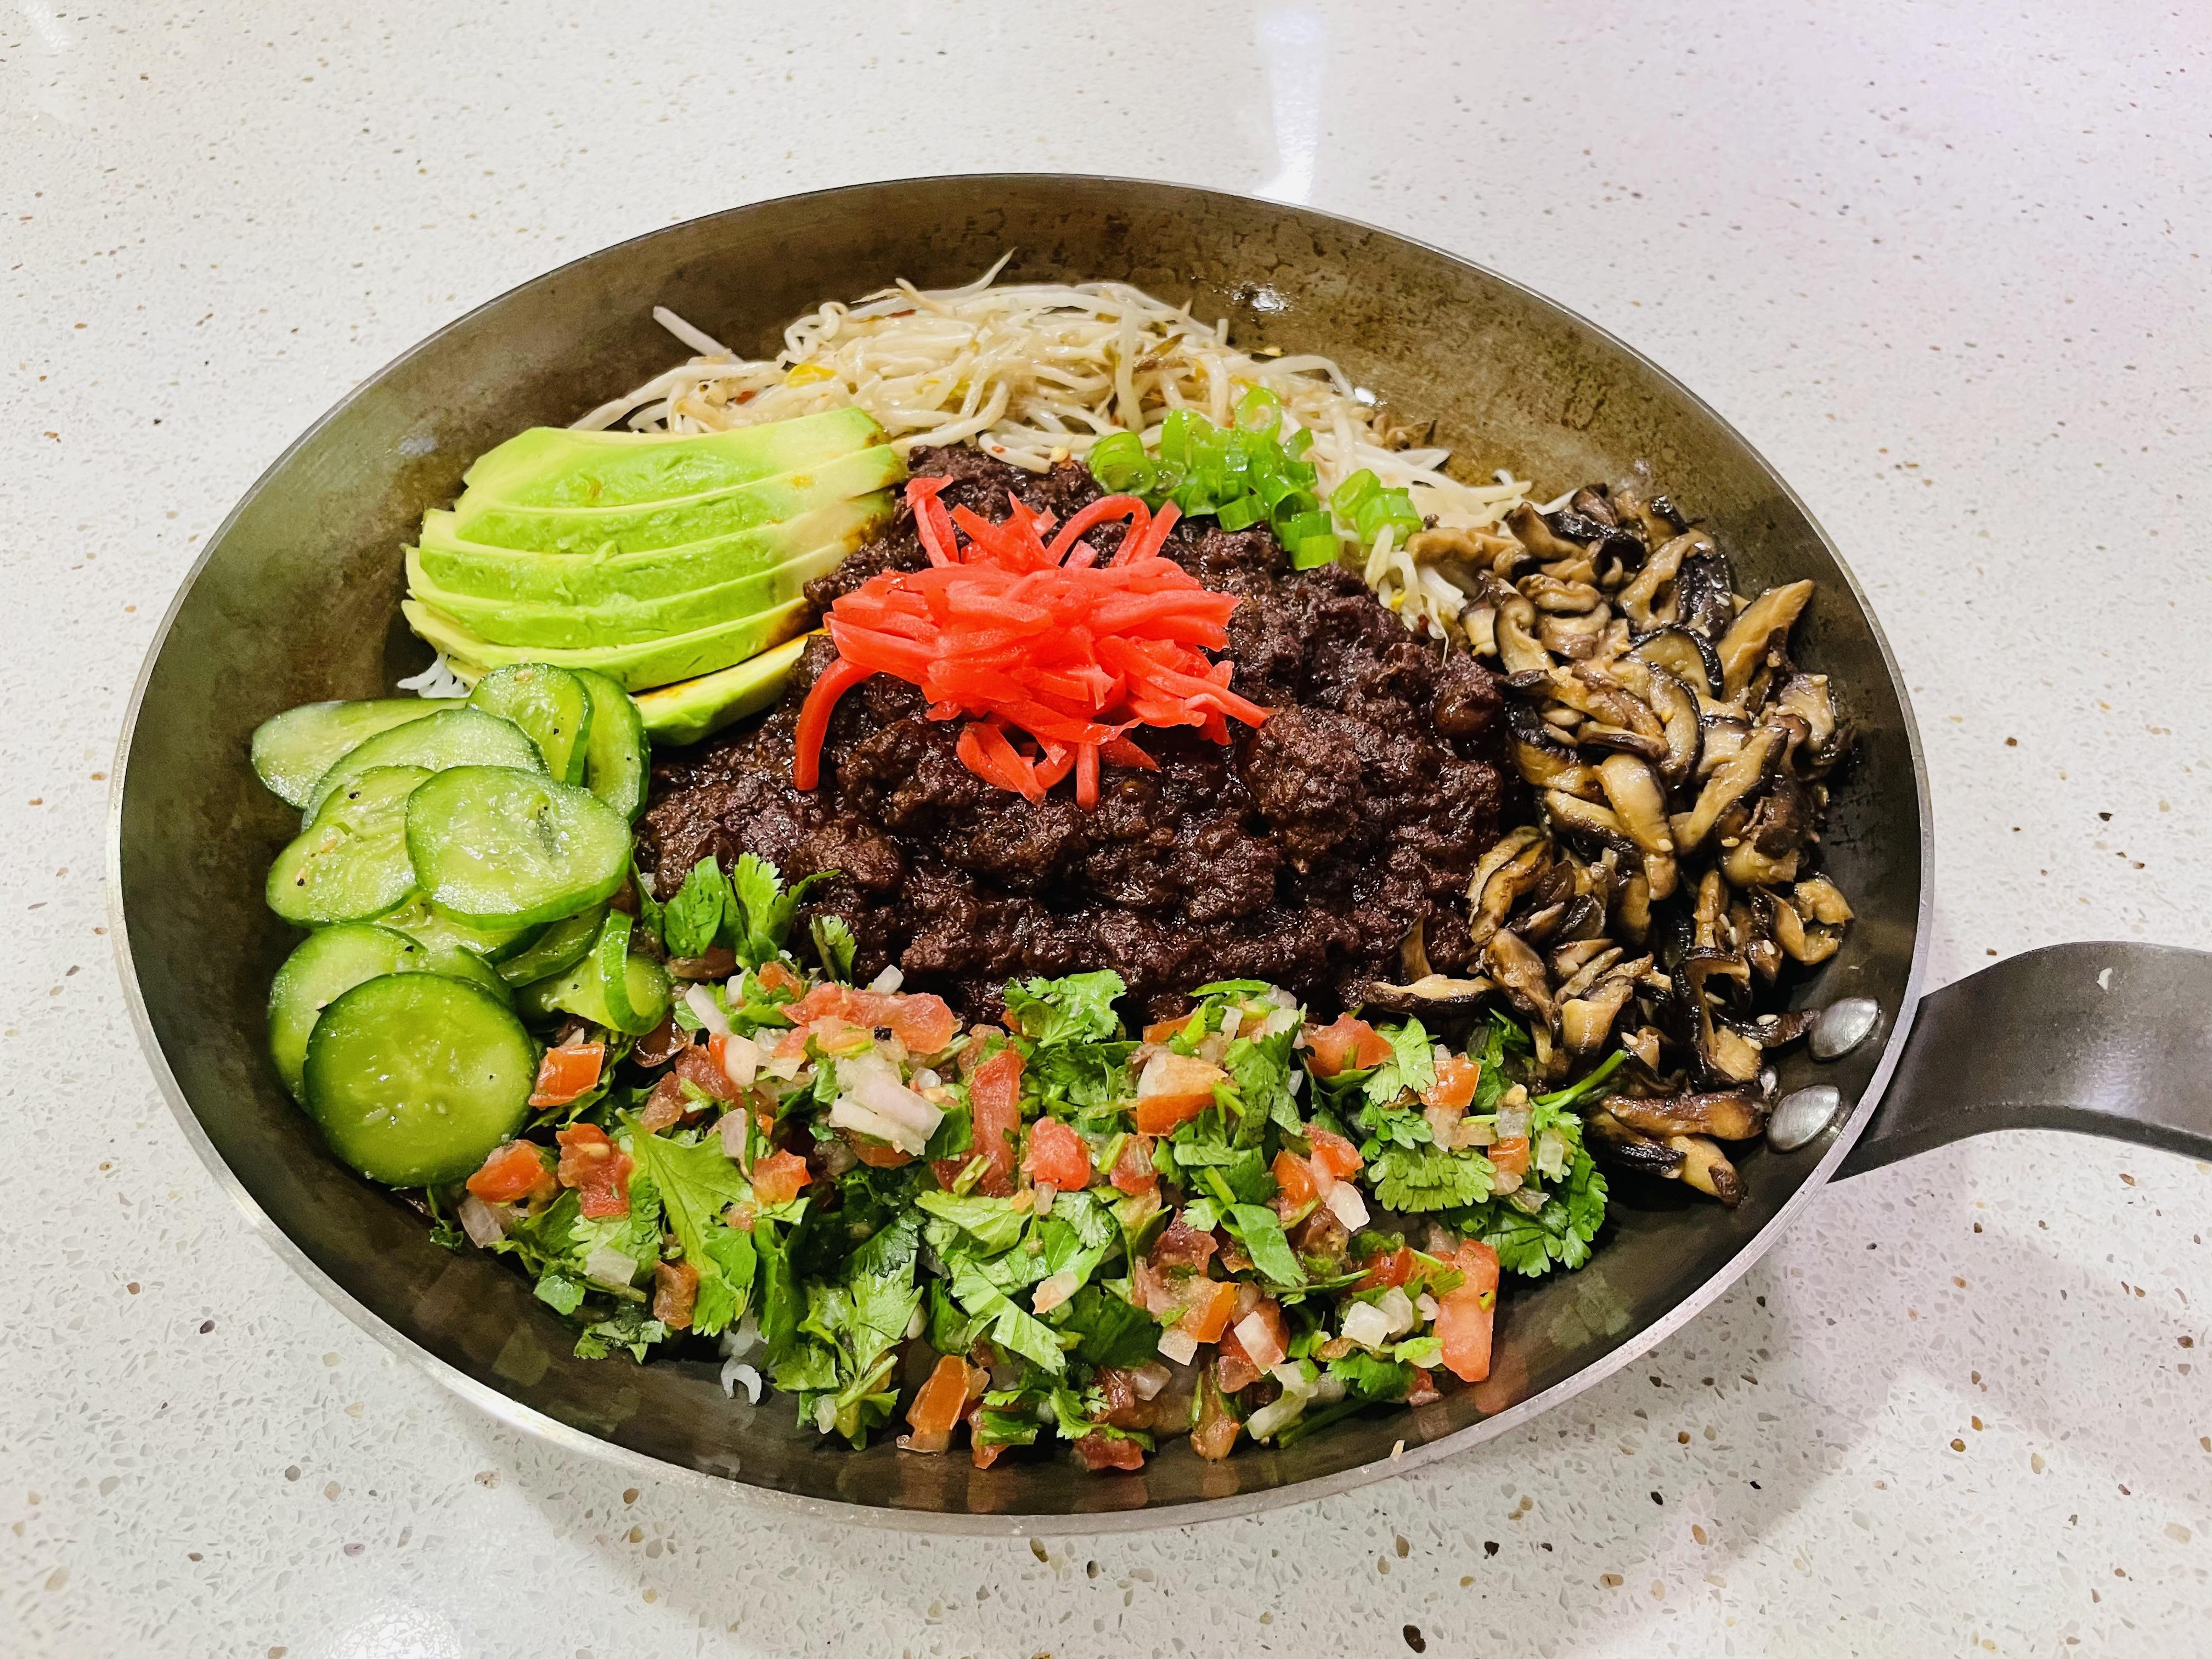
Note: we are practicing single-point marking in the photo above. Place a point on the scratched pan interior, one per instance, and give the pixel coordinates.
(297, 597)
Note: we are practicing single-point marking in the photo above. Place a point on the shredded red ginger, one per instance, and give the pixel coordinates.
(1051, 658)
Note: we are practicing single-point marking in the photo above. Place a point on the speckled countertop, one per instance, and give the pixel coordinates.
(1945, 264)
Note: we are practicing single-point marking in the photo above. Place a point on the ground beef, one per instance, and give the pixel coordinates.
(1302, 853)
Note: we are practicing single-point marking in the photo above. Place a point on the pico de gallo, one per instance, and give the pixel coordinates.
(1233, 1225)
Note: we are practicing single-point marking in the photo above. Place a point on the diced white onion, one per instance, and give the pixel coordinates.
(1179, 1346)
(1232, 1018)
(1474, 1132)
(742, 1338)
(1147, 1381)
(1345, 1204)
(1426, 1307)
(1297, 1080)
(1443, 1123)
(874, 1082)
(1551, 1153)
(484, 1223)
(1279, 1021)
(610, 1266)
(1213, 1049)
(917, 1325)
(1258, 1339)
(1506, 1182)
(701, 1001)
(731, 1128)
(1397, 1308)
(925, 1079)
(741, 1060)
(889, 981)
(1046, 1192)
(825, 1414)
(1056, 1290)
(1366, 1324)
(846, 1113)
(1281, 1413)
(1324, 1178)
(1512, 1123)
(736, 1375)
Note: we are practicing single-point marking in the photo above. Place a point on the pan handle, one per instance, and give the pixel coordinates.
(2102, 1039)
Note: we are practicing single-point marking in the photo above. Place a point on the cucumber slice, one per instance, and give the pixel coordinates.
(425, 921)
(467, 966)
(415, 1078)
(495, 845)
(619, 758)
(293, 750)
(350, 862)
(454, 736)
(610, 986)
(550, 703)
(328, 964)
(561, 947)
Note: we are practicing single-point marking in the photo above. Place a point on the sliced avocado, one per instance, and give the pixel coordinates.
(633, 667)
(647, 525)
(560, 467)
(692, 710)
(623, 622)
(458, 567)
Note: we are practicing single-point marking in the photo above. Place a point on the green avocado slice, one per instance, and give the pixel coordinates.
(646, 525)
(692, 710)
(623, 622)
(556, 466)
(633, 667)
(454, 566)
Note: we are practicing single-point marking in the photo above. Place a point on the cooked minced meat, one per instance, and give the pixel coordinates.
(1301, 853)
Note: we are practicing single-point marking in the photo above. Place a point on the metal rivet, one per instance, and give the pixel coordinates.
(1801, 1115)
(1844, 1025)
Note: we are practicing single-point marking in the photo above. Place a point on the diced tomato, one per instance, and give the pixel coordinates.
(597, 1168)
(923, 1023)
(1182, 1245)
(1057, 1157)
(1425, 1388)
(1236, 1366)
(994, 1111)
(1173, 1089)
(666, 1104)
(1294, 1184)
(778, 1177)
(876, 1154)
(1334, 1153)
(1132, 1170)
(1389, 1267)
(1464, 1315)
(1510, 1154)
(565, 1072)
(700, 1067)
(936, 1407)
(1346, 1044)
(511, 1174)
(1205, 1315)
(675, 1290)
(1454, 1088)
(1215, 1434)
(1102, 1451)
(1161, 1030)
(1121, 1404)
(775, 976)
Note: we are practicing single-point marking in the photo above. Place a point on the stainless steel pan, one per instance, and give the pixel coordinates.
(296, 599)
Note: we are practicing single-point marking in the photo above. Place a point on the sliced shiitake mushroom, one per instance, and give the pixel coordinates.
(1705, 592)
(1725, 1114)
(1535, 532)
(1722, 1053)
(1706, 1167)
(1578, 638)
(1639, 803)
(1431, 995)
(1474, 547)
(1502, 875)
(1519, 972)
(1625, 1149)
(1543, 756)
(1818, 899)
(1649, 600)
(1731, 781)
(1514, 630)
(1744, 645)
